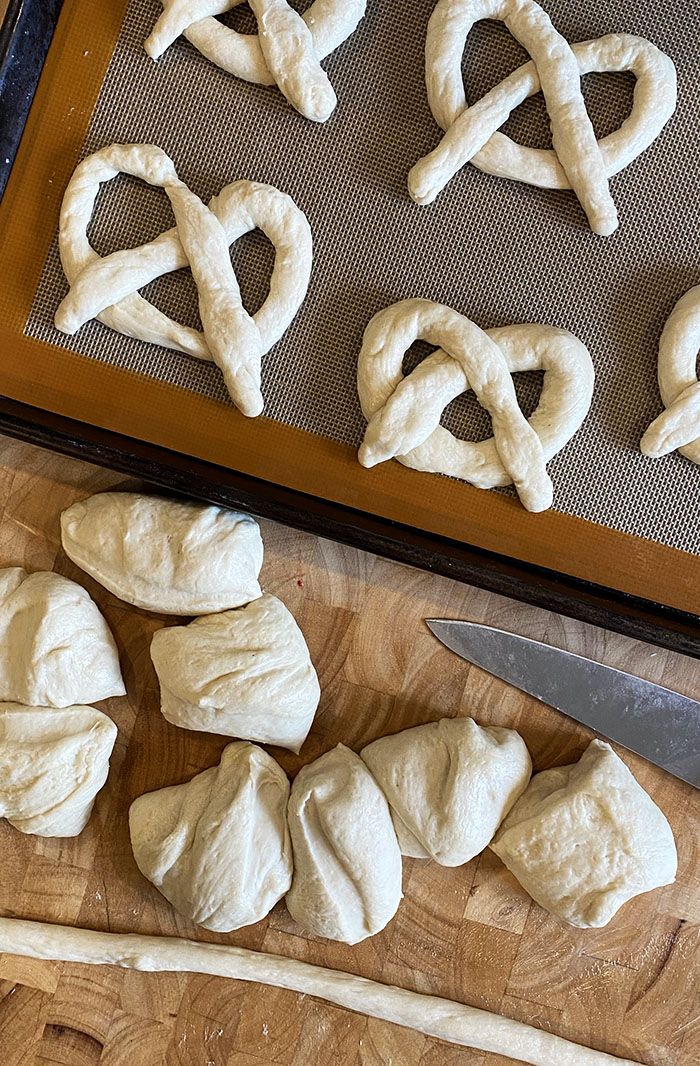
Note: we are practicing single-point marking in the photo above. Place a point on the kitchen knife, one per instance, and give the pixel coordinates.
(652, 721)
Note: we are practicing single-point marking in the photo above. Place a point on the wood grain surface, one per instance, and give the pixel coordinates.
(469, 933)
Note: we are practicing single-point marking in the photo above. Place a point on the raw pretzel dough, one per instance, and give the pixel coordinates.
(52, 765)
(441, 1018)
(56, 649)
(576, 161)
(449, 785)
(244, 673)
(679, 425)
(106, 288)
(218, 846)
(287, 51)
(163, 555)
(404, 413)
(585, 838)
(347, 863)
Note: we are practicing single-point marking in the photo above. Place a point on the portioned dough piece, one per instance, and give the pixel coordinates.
(244, 673)
(56, 649)
(218, 846)
(449, 785)
(585, 838)
(52, 765)
(347, 862)
(164, 555)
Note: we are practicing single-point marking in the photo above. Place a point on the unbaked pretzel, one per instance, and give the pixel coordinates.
(679, 425)
(577, 161)
(106, 288)
(404, 412)
(287, 50)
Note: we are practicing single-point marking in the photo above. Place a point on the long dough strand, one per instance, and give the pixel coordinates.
(441, 1018)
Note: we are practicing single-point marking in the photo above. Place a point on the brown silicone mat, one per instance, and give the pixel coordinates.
(498, 251)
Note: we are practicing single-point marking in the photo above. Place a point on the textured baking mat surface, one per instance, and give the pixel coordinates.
(498, 251)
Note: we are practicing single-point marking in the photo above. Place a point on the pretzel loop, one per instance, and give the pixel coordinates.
(287, 50)
(678, 427)
(404, 413)
(107, 287)
(577, 160)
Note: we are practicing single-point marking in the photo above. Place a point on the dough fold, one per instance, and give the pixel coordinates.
(218, 846)
(449, 785)
(347, 862)
(52, 765)
(585, 838)
(244, 673)
(164, 555)
(56, 649)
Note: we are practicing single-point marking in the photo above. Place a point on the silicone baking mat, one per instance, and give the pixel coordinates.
(496, 250)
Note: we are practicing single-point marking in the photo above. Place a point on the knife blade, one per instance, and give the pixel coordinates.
(661, 725)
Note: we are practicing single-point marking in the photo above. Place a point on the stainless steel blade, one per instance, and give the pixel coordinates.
(652, 721)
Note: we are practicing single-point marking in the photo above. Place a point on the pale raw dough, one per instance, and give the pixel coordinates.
(441, 1018)
(52, 765)
(107, 288)
(585, 838)
(56, 649)
(244, 673)
(163, 555)
(347, 862)
(218, 846)
(449, 785)
(576, 161)
(679, 425)
(403, 413)
(287, 50)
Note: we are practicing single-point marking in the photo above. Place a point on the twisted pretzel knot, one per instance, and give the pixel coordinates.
(404, 412)
(106, 288)
(679, 425)
(577, 160)
(286, 51)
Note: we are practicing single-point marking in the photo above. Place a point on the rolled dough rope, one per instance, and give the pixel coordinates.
(679, 425)
(106, 288)
(577, 160)
(404, 412)
(441, 1018)
(287, 51)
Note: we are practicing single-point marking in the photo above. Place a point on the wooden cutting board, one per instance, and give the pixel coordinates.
(469, 933)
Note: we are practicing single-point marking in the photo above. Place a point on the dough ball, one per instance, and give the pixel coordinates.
(218, 846)
(56, 649)
(52, 765)
(347, 863)
(449, 785)
(585, 838)
(244, 673)
(163, 555)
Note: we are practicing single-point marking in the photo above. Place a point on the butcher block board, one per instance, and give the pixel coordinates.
(468, 933)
